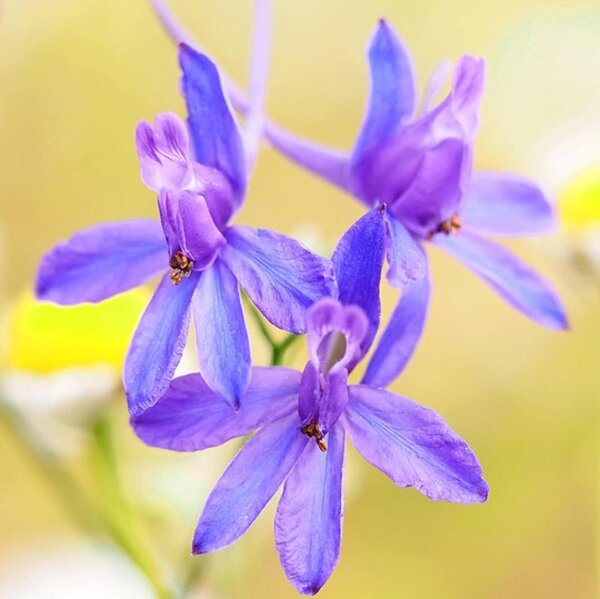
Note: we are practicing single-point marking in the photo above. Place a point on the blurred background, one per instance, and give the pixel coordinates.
(75, 78)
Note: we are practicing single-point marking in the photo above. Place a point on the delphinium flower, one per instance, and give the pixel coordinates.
(302, 421)
(200, 174)
(420, 162)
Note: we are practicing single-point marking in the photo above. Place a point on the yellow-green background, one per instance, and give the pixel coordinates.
(77, 75)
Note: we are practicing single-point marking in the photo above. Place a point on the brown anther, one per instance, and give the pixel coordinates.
(182, 267)
(312, 430)
(450, 226)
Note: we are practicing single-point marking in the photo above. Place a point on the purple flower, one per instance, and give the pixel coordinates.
(302, 421)
(199, 173)
(419, 163)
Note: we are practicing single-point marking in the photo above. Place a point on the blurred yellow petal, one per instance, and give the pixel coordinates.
(579, 201)
(44, 337)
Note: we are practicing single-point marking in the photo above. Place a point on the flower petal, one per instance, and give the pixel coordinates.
(357, 262)
(334, 400)
(190, 416)
(215, 135)
(279, 274)
(309, 394)
(199, 237)
(400, 337)
(393, 90)
(423, 169)
(329, 316)
(506, 204)
(435, 191)
(158, 343)
(163, 152)
(308, 522)
(249, 482)
(221, 335)
(467, 91)
(518, 284)
(413, 446)
(329, 164)
(405, 256)
(102, 261)
(436, 82)
(168, 208)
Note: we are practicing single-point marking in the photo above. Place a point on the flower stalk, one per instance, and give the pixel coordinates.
(259, 69)
(87, 515)
(118, 516)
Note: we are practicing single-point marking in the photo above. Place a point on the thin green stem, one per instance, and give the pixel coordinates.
(257, 317)
(192, 575)
(278, 350)
(120, 518)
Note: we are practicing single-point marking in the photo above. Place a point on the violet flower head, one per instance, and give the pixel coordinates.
(419, 162)
(303, 420)
(199, 172)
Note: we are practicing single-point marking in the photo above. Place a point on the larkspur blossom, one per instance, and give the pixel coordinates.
(303, 419)
(420, 165)
(200, 175)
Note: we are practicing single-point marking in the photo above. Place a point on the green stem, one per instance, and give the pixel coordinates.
(119, 517)
(262, 326)
(192, 575)
(278, 349)
(77, 505)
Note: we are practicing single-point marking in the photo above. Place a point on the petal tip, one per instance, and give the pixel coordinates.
(138, 403)
(383, 27)
(40, 289)
(200, 543)
(556, 319)
(187, 52)
(482, 492)
(307, 588)
(562, 322)
(197, 548)
(563, 325)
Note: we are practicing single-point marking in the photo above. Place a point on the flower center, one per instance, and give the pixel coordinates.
(313, 430)
(182, 267)
(450, 226)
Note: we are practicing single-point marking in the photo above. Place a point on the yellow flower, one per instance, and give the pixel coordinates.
(44, 337)
(579, 202)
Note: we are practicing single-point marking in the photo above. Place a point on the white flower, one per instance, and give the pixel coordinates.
(70, 571)
(59, 406)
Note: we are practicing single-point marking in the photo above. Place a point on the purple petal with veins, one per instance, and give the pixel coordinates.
(308, 522)
(506, 204)
(100, 262)
(249, 482)
(190, 416)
